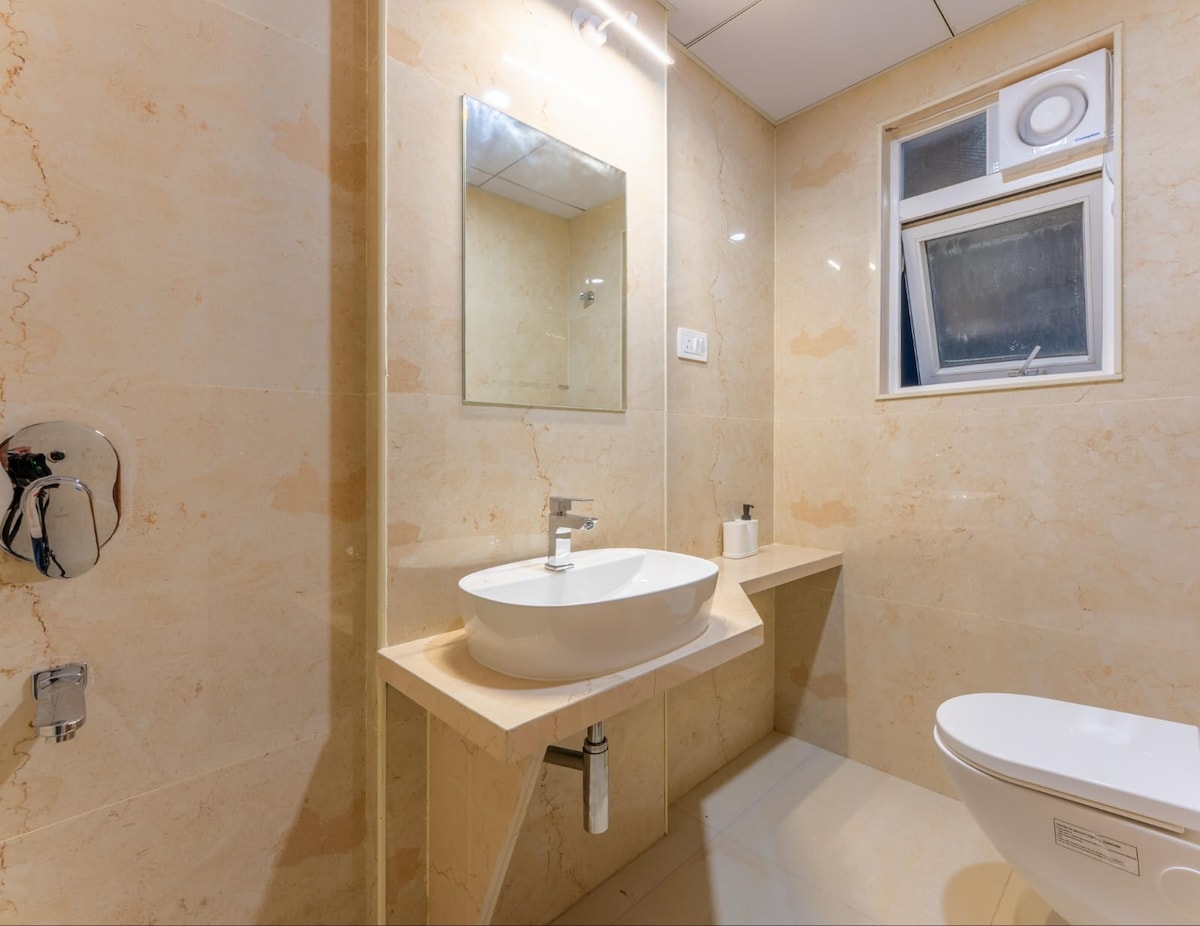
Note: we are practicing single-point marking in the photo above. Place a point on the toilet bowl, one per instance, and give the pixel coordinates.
(1098, 810)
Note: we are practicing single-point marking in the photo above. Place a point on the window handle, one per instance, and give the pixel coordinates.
(1028, 360)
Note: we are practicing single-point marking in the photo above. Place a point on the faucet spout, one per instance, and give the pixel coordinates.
(561, 523)
(61, 709)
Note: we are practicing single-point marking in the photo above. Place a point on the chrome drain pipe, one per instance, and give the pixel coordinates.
(592, 760)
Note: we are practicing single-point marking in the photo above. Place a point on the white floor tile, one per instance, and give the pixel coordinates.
(728, 793)
(898, 852)
(685, 836)
(726, 883)
(794, 834)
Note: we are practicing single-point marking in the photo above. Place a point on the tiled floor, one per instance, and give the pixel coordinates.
(790, 833)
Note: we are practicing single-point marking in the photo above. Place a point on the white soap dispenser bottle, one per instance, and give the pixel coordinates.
(740, 536)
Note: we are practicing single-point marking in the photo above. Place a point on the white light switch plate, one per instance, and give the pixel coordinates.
(691, 345)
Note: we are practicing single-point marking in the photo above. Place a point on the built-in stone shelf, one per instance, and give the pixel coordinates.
(488, 731)
(510, 718)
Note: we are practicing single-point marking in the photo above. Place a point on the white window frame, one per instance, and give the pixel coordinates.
(1089, 193)
(896, 213)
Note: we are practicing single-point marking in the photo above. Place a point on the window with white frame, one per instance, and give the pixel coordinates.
(1000, 238)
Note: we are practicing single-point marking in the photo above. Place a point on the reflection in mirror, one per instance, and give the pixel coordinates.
(543, 269)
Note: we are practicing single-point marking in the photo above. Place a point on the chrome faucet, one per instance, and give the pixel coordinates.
(558, 548)
(60, 701)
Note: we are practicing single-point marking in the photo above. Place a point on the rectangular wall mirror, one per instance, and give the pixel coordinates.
(543, 269)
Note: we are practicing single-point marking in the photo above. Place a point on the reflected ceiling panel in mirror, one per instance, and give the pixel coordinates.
(543, 269)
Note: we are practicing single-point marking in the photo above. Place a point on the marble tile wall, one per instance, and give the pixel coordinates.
(468, 485)
(1040, 541)
(719, 440)
(517, 274)
(183, 225)
(596, 333)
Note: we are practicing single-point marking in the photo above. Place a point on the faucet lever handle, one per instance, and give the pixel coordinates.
(561, 504)
(62, 526)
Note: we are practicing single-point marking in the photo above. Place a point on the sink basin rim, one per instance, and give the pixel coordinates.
(644, 604)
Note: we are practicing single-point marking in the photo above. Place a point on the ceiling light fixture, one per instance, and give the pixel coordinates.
(592, 30)
(738, 236)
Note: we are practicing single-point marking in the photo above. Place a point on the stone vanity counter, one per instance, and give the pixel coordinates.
(512, 719)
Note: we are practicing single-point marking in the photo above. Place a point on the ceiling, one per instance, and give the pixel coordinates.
(782, 56)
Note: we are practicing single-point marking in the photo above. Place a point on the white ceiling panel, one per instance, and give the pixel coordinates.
(567, 175)
(531, 198)
(966, 14)
(784, 55)
(692, 18)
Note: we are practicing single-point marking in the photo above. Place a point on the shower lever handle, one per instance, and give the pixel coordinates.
(62, 526)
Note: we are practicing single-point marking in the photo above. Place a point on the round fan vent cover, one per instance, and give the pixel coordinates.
(1051, 115)
(1060, 114)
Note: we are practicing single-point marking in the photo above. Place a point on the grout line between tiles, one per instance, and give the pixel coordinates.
(658, 883)
(1000, 899)
(770, 788)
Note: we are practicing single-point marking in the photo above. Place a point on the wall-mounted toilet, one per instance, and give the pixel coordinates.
(1098, 810)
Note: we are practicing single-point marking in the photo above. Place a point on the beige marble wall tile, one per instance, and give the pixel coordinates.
(473, 488)
(716, 465)
(186, 275)
(193, 589)
(213, 214)
(605, 104)
(719, 438)
(596, 329)
(191, 853)
(720, 160)
(1075, 517)
(554, 851)
(517, 281)
(338, 28)
(864, 676)
(902, 661)
(719, 715)
(468, 485)
(1048, 530)
(810, 663)
(406, 783)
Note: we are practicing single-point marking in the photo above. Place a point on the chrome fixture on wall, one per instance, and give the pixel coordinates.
(60, 704)
(592, 760)
(558, 541)
(65, 496)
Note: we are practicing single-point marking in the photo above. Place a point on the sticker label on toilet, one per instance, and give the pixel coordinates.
(1096, 846)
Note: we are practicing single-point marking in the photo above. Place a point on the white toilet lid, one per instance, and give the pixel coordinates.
(1140, 765)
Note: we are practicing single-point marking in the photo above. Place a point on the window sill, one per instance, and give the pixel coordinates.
(1007, 384)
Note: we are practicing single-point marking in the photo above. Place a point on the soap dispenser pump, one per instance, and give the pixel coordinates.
(740, 536)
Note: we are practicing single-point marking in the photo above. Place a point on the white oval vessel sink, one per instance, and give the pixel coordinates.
(613, 609)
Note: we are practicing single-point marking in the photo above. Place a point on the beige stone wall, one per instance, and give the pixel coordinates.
(182, 268)
(1040, 541)
(595, 333)
(720, 165)
(468, 485)
(514, 346)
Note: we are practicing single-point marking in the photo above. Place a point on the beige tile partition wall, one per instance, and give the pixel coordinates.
(1039, 541)
(720, 165)
(181, 268)
(469, 484)
(511, 346)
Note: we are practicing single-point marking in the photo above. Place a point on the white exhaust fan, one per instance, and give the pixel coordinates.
(1057, 115)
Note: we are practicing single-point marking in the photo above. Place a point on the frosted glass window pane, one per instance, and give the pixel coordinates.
(944, 157)
(998, 292)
